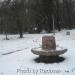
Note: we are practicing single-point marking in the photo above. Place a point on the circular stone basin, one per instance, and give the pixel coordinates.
(45, 52)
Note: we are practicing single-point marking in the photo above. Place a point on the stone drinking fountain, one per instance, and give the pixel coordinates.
(49, 48)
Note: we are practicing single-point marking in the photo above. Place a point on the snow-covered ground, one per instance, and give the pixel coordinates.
(16, 57)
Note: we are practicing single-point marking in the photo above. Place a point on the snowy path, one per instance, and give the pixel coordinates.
(18, 59)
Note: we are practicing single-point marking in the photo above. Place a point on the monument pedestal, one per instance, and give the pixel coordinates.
(49, 47)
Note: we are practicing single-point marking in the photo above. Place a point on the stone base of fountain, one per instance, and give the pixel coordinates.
(49, 47)
(42, 52)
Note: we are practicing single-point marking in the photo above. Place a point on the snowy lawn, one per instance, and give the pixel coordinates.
(16, 57)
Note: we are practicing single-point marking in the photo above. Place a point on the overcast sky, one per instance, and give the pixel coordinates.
(2, 0)
(59, 0)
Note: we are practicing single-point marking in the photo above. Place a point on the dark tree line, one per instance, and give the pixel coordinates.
(19, 16)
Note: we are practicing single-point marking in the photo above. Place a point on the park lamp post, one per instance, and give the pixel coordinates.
(53, 24)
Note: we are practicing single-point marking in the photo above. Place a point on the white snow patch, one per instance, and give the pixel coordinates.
(19, 60)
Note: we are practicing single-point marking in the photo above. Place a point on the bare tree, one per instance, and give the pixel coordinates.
(67, 12)
(5, 11)
(19, 11)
